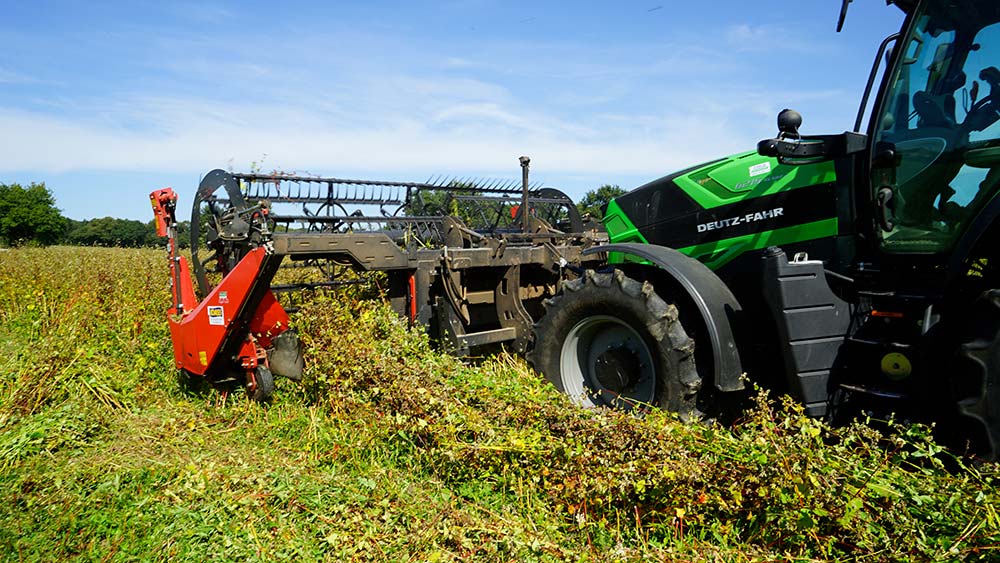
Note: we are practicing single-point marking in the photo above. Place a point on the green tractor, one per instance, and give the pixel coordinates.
(856, 272)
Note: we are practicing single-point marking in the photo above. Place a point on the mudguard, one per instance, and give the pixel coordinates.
(710, 295)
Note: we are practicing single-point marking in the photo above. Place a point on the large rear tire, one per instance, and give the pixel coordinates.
(979, 387)
(609, 340)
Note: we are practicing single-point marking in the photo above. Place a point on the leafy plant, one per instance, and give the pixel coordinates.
(390, 450)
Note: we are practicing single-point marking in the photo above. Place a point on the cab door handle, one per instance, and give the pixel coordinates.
(884, 199)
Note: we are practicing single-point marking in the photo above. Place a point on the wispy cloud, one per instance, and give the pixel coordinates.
(195, 135)
(746, 35)
(773, 38)
(321, 101)
(8, 76)
(199, 12)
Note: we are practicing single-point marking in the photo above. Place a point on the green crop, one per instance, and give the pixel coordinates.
(391, 451)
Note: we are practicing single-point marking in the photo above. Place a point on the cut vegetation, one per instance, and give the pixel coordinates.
(391, 451)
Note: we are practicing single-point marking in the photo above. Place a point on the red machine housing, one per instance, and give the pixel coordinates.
(233, 326)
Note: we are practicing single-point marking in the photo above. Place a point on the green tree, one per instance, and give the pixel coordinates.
(110, 231)
(183, 234)
(29, 215)
(447, 201)
(596, 201)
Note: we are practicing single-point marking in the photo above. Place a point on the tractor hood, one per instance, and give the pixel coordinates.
(728, 206)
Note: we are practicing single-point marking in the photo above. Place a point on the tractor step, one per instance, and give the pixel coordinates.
(812, 323)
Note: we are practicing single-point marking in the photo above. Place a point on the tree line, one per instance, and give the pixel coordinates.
(28, 215)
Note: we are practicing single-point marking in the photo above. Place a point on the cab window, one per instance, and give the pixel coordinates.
(941, 124)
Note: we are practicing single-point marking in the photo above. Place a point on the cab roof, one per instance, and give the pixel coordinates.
(905, 5)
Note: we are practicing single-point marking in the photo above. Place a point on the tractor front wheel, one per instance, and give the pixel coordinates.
(609, 340)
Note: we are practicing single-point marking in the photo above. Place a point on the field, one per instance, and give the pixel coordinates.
(391, 451)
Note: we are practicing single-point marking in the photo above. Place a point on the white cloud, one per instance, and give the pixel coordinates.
(188, 135)
(743, 34)
(379, 106)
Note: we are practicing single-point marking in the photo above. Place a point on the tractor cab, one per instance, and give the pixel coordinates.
(922, 181)
(916, 280)
(935, 140)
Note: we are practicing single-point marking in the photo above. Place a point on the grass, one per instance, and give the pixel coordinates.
(390, 451)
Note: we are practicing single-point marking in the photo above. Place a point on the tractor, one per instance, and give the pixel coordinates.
(857, 273)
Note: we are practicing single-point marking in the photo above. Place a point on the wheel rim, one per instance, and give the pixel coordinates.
(604, 361)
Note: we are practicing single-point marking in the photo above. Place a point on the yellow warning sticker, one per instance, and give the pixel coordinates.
(203, 357)
(216, 316)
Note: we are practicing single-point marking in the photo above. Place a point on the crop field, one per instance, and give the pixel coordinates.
(391, 451)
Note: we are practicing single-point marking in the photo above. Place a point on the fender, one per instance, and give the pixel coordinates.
(710, 295)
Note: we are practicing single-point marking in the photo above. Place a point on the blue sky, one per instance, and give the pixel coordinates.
(106, 101)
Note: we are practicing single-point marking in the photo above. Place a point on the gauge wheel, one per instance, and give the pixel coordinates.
(609, 340)
(260, 384)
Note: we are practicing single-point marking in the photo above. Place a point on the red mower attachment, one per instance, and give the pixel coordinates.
(238, 331)
(474, 285)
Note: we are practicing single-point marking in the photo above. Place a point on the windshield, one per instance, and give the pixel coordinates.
(941, 123)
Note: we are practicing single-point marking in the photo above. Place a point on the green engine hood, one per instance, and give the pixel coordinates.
(718, 210)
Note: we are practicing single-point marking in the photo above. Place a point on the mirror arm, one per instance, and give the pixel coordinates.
(795, 149)
(810, 149)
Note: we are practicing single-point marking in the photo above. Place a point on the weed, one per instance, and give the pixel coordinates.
(391, 451)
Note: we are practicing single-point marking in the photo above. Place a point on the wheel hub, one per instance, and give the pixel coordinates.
(617, 368)
(604, 361)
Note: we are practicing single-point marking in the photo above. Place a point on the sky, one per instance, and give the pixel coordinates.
(106, 101)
